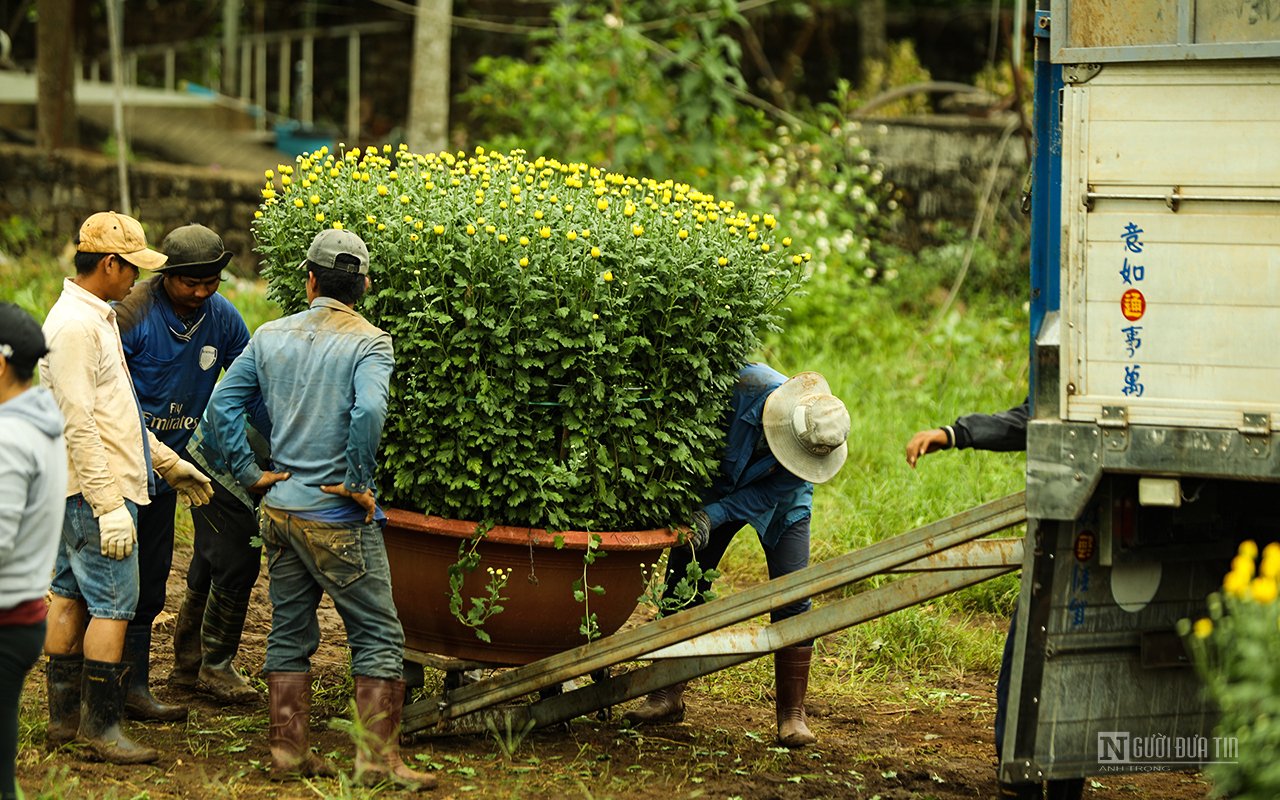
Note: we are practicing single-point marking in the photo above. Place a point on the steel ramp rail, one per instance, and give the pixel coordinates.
(924, 544)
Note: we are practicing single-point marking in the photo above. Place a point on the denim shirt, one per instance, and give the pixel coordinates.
(324, 375)
(752, 485)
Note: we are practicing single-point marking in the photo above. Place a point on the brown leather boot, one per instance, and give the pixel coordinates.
(187, 651)
(791, 681)
(290, 734)
(379, 703)
(660, 707)
(101, 711)
(223, 625)
(63, 675)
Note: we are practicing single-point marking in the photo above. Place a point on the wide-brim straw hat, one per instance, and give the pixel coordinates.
(807, 427)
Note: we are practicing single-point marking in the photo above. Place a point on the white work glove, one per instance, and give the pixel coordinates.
(192, 485)
(117, 533)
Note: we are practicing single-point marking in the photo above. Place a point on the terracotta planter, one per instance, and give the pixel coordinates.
(541, 617)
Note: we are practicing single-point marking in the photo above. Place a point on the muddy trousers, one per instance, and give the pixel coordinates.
(20, 646)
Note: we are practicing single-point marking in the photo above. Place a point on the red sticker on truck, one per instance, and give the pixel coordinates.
(1133, 305)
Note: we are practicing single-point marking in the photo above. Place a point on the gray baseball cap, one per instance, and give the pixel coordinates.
(340, 249)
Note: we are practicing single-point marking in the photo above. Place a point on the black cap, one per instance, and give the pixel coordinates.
(21, 340)
(194, 251)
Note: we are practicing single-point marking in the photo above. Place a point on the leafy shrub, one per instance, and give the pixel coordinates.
(566, 338)
(1237, 652)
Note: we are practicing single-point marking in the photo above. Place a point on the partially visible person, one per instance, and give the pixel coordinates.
(1004, 431)
(782, 436)
(111, 458)
(33, 485)
(324, 374)
(179, 334)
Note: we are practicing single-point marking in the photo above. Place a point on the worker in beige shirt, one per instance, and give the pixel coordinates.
(110, 460)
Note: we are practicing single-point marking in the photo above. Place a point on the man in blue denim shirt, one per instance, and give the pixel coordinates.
(783, 437)
(324, 375)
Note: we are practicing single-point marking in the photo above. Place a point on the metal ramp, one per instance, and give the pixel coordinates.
(944, 555)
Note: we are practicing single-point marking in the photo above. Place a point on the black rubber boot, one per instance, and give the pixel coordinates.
(101, 711)
(138, 702)
(223, 624)
(187, 650)
(63, 675)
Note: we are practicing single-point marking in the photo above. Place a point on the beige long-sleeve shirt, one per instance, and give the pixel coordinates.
(87, 374)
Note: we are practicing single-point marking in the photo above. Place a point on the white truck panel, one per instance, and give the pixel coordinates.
(1170, 308)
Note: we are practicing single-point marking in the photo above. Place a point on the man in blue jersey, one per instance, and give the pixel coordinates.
(178, 335)
(324, 375)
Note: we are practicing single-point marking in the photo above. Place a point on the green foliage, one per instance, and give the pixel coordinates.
(566, 338)
(616, 85)
(1237, 653)
(901, 68)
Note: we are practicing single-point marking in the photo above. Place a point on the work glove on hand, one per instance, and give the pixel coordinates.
(192, 485)
(700, 530)
(117, 533)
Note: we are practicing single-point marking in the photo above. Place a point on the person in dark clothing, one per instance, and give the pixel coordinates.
(783, 436)
(178, 335)
(1005, 431)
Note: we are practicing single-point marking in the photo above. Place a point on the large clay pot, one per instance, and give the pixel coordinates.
(540, 616)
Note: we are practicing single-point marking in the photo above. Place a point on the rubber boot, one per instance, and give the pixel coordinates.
(791, 681)
(63, 676)
(101, 712)
(139, 702)
(379, 703)
(223, 624)
(187, 650)
(290, 733)
(663, 706)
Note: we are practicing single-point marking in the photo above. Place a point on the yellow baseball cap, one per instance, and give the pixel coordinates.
(108, 232)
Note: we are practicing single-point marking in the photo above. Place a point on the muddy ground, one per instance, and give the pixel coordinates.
(899, 741)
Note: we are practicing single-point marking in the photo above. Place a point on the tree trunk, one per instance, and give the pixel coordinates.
(428, 127)
(55, 75)
(873, 39)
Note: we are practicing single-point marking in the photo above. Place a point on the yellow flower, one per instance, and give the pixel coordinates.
(1202, 628)
(637, 230)
(595, 252)
(628, 210)
(315, 199)
(257, 215)
(683, 234)
(268, 194)
(337, 226)
(502, 237)
(381, 227)
(571, 236)
(319, 216)
(786, 241)
(753, 236)
(797, 260)
(603, 204)
(1248, 548)
(369, 218)
(438, 230)
(334, 172)
(285, 180)
(383, 191)
(1244, 565)
(269, 174)
(538, 214)
(544, 232)
(417, 226)
(490, 229)
(413, 237)
(1235, 584)
(524, 241)
(595, 316)
(524, 262)
(722, 261)
(1263, 590)
(404, 198)
(471, 230)
(607, 276)
(764, 248)
(297, 201)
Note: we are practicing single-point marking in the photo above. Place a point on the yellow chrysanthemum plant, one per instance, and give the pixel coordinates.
(1236, 649)
(566, 337)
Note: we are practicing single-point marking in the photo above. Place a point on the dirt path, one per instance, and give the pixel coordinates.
(907, 742)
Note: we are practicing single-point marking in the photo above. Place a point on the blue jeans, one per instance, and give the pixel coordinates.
(305, 559)
(81, 572)
(790, 554)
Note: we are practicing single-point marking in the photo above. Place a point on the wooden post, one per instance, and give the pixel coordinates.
(55, 78)
(428, 125)
(246, 68)
(170, 68)
(307, 81)
(260, 84)
(230, 47)
(353, 89)
(284, 65)
(117, 105)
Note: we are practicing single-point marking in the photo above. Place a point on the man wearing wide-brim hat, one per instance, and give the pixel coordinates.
(178, 335)
(783, 436)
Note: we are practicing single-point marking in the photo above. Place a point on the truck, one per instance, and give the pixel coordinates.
(1155, 400)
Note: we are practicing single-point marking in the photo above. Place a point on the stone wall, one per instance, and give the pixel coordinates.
(58, 190)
